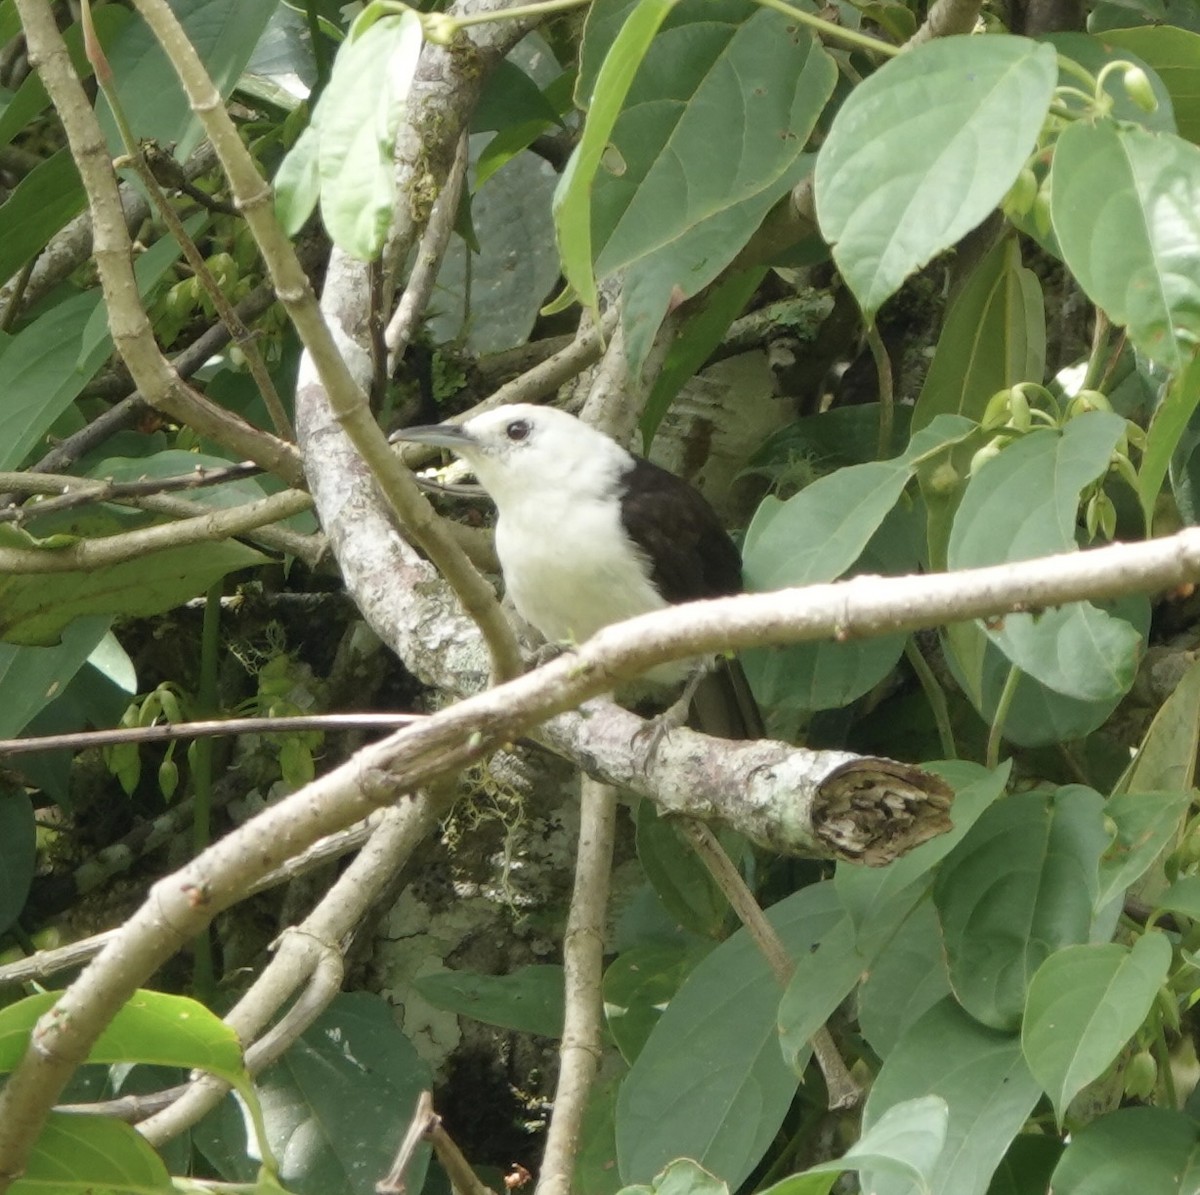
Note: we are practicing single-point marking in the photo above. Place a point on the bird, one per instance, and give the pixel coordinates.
(588, 534)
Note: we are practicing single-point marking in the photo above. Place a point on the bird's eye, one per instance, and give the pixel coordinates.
(517, 430)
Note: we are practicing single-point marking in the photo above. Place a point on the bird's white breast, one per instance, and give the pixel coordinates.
(569, 567)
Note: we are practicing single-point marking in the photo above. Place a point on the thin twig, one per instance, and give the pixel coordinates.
(185, 363)
(430, 251)
(583, 964)
(84, 555)
(426, 1125)
(74, 491)
(842, 1090)
(883, 372)
(214, 728)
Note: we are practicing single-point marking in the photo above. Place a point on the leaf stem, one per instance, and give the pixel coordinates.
(1099, 355)
(883, 371)
(1068, 66)
(518, 12)
(996, 733)
(852, 37)
(934, 695)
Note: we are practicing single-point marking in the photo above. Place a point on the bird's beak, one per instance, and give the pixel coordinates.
(440, 435)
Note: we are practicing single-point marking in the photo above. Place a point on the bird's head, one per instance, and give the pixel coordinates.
(521, 450)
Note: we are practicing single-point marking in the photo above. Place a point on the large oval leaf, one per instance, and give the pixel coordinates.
(986, 1085)
(1125, 204)
(994, 336)
(923, 150)
(1135, 1149)
(1020, 885)
(711, 1083)
(1023, 504)
(1085, 1003)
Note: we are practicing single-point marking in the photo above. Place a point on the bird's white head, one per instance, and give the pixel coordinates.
(520, 450)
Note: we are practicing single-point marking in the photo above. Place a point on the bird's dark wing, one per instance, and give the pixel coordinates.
(690, 554)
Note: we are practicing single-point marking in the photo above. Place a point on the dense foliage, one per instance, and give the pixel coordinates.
(941, 271)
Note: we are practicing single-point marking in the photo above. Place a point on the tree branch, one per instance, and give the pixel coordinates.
(116, 549)
(947, 17)
(582, 1042)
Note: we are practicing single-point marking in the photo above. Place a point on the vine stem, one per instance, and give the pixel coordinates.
(829, 29)
(934, 695)
(996, 733)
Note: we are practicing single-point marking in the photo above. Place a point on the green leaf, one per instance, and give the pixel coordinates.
(994, 336)
(818, 534)
(904, 1143)
(923, 150)
(1133, 1149)
(1085, 1002)
(697, 157)
(78, 1155)
(372, 74)
(335, 1105)
(39, 380)
(1027, 1166)
(867, 893)
(700, 335)
(1146, 823)
(31, 677)
(596, 1159)
(151, 1027)
(1182, 897)
(18, 852)
(40, 205)
(1174, 55)
(907, 978)
(827, 974)
(573, 198)
(685, 887)
(1170, 423)
(986, 1085)
(529, 1000)
(35, 613)
(1125, 204)
(297, 182)
(1037, 715)
(821, 531)
(30, 98)
(639, 984)
(829, 675)
(1166, 759)
(224, 34)
(1022, 883)
(681, 1177)
(710, 1083)
(1023, 504)
(488, 300)
(510, 97)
